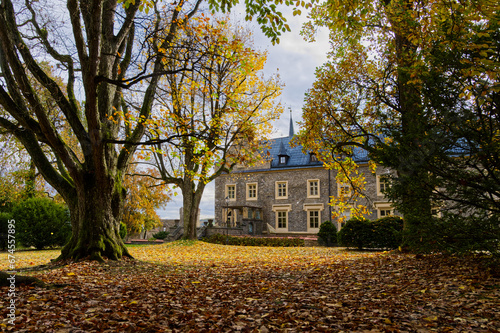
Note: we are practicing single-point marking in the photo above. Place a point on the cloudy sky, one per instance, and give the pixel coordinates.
(295, 60)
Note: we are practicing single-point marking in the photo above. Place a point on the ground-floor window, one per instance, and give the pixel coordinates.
(313, 219)
(384, 209)
(385, 212)
(282, 219)
(313, 216)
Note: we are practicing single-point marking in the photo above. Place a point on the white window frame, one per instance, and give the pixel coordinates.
(248, 197)
(227, 192)
(279, 209)
(340, 186)
(438, 213)
(309, 187)
(277, 192)
(379, 183)
(385, 212)
(317, 207)
(313, 158)
(316, 214)
(281, 214)
(346, 214)
(384, 206)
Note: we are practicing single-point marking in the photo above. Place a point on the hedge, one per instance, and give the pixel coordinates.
(254, 241)
(384, 233)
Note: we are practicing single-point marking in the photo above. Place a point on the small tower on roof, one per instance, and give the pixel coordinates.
(291, 131)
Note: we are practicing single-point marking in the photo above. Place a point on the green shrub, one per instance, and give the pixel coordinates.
(384, 233)
(455, 234)
(254, 241)
(355, 233)
(327, 235)
(387, 233)
(161, 235)
(4, 228)
(41, 222)
(123, 230)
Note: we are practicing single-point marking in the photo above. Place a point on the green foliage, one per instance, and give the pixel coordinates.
(4, 227)
(355, 233)
(161, 235)
(386, 233)
(254, 241)
(455, 234)
(327, 235)
(4, 219)
(41, 222)
(123, 230)
(432, 97)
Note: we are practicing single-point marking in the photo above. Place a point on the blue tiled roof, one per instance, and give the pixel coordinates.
(296, 157)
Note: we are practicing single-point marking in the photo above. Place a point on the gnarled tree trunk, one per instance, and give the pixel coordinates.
(95, 217)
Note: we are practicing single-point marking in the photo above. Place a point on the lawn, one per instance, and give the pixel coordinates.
(200, 287)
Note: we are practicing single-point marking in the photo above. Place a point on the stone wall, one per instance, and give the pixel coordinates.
(297, 200)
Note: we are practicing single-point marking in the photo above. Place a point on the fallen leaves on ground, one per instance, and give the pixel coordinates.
(29, 258)
(204, 287)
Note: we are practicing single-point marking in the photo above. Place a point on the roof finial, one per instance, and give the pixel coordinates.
(291, 131)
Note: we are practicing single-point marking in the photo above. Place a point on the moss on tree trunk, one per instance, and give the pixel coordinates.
(95, 218)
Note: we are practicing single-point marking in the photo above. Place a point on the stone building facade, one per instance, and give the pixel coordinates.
(288, 192)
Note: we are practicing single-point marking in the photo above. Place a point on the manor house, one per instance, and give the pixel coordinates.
(289, 192)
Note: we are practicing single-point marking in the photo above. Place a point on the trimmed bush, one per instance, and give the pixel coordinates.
(41, 222)
(327, 235)
(254, 241)
(161, 235)
(123, 230)
(384, 233)
(355, 233)
(387, 233)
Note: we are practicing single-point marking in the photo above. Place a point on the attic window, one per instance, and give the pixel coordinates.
(313, 158)
(282, 159)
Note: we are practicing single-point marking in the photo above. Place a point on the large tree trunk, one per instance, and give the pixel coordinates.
(95, 218)
(415, 203)
(191, 204)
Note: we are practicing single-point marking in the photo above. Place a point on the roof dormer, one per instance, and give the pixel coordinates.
(283, 155)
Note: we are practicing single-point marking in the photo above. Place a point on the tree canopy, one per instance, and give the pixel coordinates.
(215, 117)
(111, 56)
(416, 85)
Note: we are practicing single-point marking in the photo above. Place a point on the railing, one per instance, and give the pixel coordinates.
(177, 233)
(200, 233)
